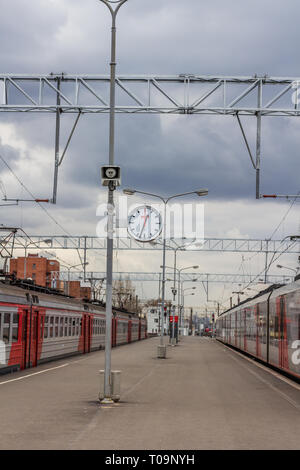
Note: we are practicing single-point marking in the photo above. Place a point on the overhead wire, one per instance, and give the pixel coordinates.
(39, 204)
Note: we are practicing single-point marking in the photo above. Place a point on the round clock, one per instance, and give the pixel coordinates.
(144, 223)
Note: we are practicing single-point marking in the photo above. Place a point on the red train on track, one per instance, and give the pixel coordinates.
(267, 327)
(36, 327)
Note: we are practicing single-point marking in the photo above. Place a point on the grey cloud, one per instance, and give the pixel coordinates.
(163, 37)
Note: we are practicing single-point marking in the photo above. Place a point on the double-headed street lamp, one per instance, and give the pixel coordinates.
(113, 6)
(130, 192)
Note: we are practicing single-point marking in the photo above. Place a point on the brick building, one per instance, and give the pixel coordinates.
(74, 289)
(42, 271)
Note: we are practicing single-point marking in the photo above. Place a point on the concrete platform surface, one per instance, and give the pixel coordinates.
(203, 396)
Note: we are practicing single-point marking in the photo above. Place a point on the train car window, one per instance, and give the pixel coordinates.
(77, 326)
(15, 334)
(73, 326)
(51, 327)
(66, 327)
(6, 327)
(6, 331)
(70, 326)
(15, 328)
(46, 327)
(56, 327)
(61, 326)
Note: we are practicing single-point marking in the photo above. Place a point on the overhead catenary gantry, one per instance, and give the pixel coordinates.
(230, 245)
(237, 96)
(205, 278)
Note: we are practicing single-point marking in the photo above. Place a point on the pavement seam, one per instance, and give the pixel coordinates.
(35, 373)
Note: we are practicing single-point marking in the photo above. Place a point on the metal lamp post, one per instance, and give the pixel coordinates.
(174, 290)
(109, 251)
(179, 287)
(183, 296)
(130, 192)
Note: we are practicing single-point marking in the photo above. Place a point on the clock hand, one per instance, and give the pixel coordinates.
(146, 217)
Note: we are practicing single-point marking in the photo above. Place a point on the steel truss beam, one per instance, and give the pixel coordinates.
(181, 94)
(155, 277)
(230, 245)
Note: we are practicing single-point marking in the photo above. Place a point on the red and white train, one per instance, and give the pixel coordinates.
(267, 327)
(37, 327)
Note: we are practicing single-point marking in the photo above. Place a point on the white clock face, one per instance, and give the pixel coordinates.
(144, 223)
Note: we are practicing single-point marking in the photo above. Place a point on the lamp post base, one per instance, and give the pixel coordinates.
(115, 381)
(161, 351)
(106, 401)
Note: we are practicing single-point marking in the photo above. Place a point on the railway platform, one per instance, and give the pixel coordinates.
(203, 396)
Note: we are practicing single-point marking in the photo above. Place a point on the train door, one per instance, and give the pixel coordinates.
(34, 337)
(239, 314)
(87, 334)
(258, 331)
(129, 331)
(282, 334)
(30, 341)
(245, 328)
(25, 320)
(235, 330)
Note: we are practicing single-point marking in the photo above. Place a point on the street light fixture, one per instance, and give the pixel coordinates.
(286, 267)
(130, 192)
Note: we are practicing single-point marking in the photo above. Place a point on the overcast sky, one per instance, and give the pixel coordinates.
(157, 153)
